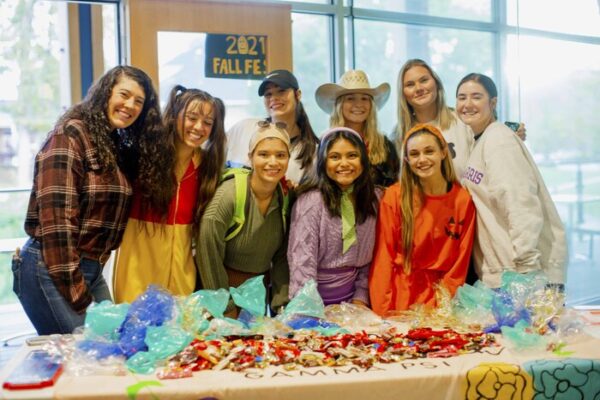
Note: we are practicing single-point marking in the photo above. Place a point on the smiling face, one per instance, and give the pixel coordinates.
(270, 160)
(343, 163)
(125, 103)
(195, 124)
(280, 103)
(424, 156)
(474, 106)
(419, 88)
(356, 108)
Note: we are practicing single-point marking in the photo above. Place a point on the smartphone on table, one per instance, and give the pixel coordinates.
(39, 369)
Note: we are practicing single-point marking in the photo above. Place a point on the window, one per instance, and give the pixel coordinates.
(382, 48)
(554, 83)
(312, 62)
(581, 17)
(36, 87)
(480, 10)
(181, 57)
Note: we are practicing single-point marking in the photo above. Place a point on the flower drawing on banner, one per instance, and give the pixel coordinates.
(498, 381)
(571, 378)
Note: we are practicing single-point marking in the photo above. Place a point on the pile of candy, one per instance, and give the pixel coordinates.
(179, 335)
(310, 350)
(527, 309)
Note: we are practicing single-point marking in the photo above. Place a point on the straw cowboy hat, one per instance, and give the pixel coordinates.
(353, 81)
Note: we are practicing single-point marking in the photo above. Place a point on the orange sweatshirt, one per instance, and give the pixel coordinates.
(443, 239)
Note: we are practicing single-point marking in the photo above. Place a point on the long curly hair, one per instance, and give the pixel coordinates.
(212, 152)
(365, 200)
(138, 149)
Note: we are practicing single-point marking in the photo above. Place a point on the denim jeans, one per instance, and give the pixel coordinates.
(45, 306)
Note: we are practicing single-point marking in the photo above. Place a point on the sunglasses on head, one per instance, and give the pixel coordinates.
(265, 124)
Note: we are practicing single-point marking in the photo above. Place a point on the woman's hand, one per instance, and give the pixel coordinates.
(522, 132)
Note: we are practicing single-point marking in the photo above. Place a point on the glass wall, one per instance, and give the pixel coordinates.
(479, 10)
(553, 87)
(545, 59)
(36, 87)
(381, 48)
(312, 62)
(580, 17)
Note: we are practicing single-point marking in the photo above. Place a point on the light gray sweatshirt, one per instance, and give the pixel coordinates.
(518, 227)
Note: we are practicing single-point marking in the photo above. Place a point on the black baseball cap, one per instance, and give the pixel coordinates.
(280, 77)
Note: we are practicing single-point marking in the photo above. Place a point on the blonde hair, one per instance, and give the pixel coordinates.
(376, 148)
(412, 196)
(406, 115)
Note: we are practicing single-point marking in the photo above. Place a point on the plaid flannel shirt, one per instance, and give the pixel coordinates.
(76, 209)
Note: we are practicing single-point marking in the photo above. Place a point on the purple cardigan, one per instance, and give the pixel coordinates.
(315, 251)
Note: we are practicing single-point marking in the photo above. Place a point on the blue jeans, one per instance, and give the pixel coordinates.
(45, 306)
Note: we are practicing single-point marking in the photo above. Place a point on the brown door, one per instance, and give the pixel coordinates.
(167, 42)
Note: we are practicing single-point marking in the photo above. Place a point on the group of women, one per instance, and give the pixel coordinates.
(373, 222)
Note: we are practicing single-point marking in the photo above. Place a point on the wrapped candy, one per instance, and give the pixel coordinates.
(522, 337)
(308, 349)
(506, 312)
(307, 302)
(154, 307)
(214, 301)
(141, 362)
(351, 316)
(165, 341)
(521, 286)
(251, 296)
(132, 338)
(104, 319)
(220, 327)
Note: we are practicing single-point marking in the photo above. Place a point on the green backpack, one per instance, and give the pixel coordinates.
(242, 191)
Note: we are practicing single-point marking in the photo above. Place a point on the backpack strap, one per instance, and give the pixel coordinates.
(242, 207)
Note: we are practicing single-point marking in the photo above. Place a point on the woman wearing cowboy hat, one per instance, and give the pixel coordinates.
(353, 103)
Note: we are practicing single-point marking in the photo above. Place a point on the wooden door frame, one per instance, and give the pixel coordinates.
(147, 17)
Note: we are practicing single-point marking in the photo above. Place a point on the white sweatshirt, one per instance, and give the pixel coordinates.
(459, 137)
(518, 227)
(460, 141)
